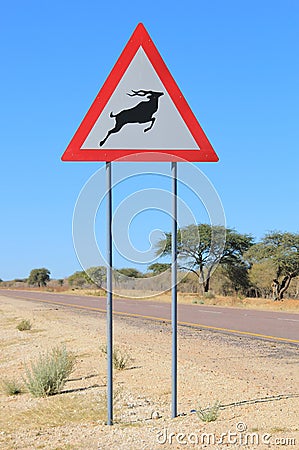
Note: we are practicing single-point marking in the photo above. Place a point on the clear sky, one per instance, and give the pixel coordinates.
(236, 63)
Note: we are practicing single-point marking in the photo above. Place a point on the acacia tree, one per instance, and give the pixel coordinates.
(261, 275)
(77, 279)
(96, 275)
(282, 251)
(157, 268)
(92, 275)
(130, 272)
(202, 247)
(39, 277)
(237, 274)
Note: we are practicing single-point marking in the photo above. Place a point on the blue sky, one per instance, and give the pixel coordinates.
(237, 66)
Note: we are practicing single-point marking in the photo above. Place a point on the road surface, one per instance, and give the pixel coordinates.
(279, 326)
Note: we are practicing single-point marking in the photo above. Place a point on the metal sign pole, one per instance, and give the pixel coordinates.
(109, 298)
(174, 288)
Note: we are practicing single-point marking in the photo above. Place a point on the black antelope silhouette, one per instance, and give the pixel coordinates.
(141, 113)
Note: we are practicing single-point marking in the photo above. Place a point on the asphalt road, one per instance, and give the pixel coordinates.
(279, 326)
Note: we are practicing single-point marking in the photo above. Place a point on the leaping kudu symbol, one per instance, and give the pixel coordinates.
(141, 113)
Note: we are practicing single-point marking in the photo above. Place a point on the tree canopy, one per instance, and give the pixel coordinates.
(157, 268)
(130, 272)
(92, 275)
(281, 251)
(39, 277)
(202, 247)
(77, 279)
(96, 275)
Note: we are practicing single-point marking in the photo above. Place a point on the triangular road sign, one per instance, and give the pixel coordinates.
(140, 114)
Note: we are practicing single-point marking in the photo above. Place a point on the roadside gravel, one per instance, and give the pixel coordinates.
(256, 382)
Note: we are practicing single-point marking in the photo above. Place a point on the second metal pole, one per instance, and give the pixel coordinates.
(109, 298)
(174, 288)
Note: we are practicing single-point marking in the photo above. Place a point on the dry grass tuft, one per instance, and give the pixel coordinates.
(11, 387)
(59, 411)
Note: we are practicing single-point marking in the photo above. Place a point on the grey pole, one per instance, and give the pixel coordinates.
(174, 288)
(109, 298)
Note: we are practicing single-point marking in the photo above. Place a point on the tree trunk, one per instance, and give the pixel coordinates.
(207, 280)
(278, 289)
(275, 289)
(201, 279)
(206, 285)
(284, 285)
(203, 282)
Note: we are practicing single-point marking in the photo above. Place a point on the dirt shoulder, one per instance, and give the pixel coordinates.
(256, 382)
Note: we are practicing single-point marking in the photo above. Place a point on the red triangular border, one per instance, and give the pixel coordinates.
(140, 37)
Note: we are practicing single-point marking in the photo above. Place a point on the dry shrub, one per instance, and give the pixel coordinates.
(24, 325)
(50, 372)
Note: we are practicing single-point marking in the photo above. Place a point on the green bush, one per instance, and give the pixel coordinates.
(24, 325)
(11, 387)
(50, 373)
(209, 414)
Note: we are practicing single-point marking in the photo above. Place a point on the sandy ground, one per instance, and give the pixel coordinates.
(256, 382)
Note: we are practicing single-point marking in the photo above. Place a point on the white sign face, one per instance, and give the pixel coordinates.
(165, 129)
